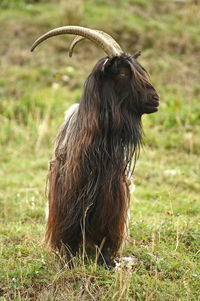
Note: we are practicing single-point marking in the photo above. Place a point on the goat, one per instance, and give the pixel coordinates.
(96, 150)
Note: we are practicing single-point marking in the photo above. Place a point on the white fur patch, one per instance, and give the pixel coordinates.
(70, 111)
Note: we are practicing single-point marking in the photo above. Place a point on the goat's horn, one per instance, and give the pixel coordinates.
(73, 44)
(78, 39)
(102, 39)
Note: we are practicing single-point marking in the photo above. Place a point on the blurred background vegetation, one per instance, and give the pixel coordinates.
(35, 91)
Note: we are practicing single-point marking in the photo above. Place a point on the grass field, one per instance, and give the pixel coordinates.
(35, 91)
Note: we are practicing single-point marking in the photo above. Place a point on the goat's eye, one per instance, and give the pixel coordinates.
(124, 73)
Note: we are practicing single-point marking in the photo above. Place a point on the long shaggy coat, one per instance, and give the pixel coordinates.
(95, 153)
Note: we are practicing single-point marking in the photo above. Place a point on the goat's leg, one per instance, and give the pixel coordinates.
(70, 250)
(104, 257)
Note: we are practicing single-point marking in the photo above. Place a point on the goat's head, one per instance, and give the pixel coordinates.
(118, 70)
(127, 79)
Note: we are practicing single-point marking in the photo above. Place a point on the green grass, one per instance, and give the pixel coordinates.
(35, 91)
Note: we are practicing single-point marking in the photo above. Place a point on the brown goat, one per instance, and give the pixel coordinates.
(92, 161)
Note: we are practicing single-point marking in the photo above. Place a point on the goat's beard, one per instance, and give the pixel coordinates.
(95, 153)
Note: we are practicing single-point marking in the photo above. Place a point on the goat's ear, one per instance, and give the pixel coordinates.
(138, 53)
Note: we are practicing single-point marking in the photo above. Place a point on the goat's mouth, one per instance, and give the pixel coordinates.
(156, 100)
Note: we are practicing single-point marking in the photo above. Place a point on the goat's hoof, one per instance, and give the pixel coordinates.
(106, 263)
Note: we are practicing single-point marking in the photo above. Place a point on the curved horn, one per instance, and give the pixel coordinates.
(76, 40)
(102, 39)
